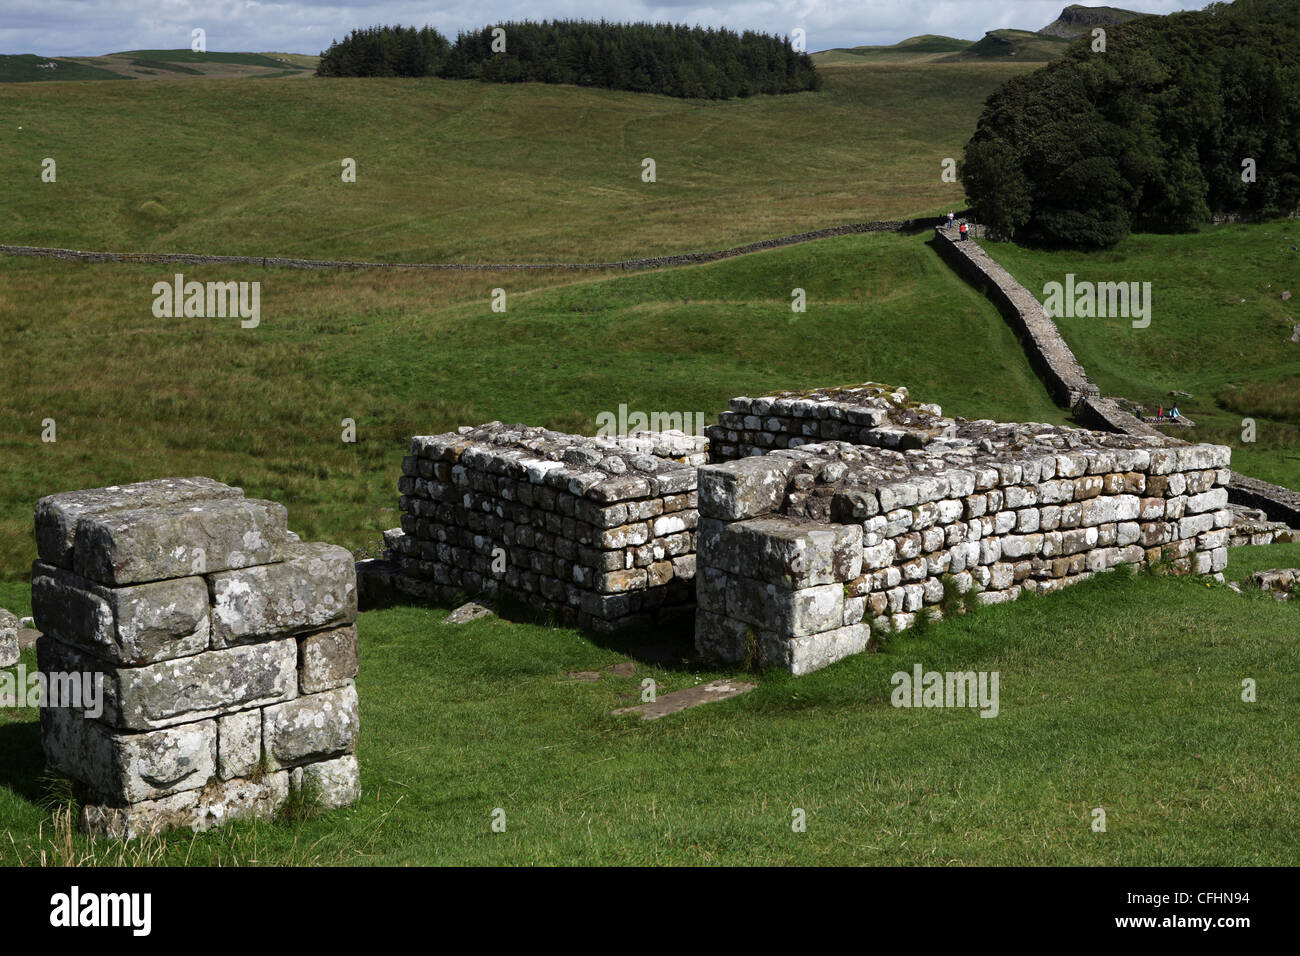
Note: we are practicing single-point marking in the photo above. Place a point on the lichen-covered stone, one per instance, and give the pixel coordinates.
(313, 587)
(221, 801)
(184, 689)
(331, 784)
(137, 624)
(239, 744)
(128, 768)
(8, 639)
(310, 728)
(57, 515)
(180, 540)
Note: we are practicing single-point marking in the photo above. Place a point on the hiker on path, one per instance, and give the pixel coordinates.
(1160, 413)
(963, 231)
(1174, 413)
(950, 221)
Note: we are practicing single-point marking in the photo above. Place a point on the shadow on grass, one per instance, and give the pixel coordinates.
(22, 764)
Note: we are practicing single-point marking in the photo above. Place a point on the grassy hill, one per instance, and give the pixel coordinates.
(1220, 330)
(476, 172)
(1020, 45)
(918, 49)
(420, 353)
(30, 68)
(155, 64)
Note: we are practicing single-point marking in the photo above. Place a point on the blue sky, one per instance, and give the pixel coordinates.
(84, 27)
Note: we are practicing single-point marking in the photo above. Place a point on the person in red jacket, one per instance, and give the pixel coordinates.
(963, 230)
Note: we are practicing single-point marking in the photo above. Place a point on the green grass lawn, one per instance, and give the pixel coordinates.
(1220, 330)
(136, 397)
(1122, 693)
(474, 172)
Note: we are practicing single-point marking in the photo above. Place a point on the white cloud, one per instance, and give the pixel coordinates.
(86, 27)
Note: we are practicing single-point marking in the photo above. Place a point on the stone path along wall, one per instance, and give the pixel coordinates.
(600, 531)
(227, 650)
(803, 552)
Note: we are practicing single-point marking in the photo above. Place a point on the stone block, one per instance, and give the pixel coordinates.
(310, 728)
(57, 515)
(327, 659)
(330, 784)
(129, 767)
(741, 489)
(184, 689)
(315, 586)
(176, 541)
(136, 624)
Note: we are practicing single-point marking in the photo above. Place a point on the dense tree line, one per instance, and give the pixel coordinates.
(386, 51)
(642, 57)
(1149, 134)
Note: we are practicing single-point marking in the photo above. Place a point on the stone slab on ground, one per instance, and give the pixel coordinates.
(690, 697)
(469, 612)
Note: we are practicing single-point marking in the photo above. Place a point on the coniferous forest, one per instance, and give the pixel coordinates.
(1179, 119)
(642, 57)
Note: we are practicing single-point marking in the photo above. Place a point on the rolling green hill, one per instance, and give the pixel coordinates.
(30, 68)
(1014, 44)
(154, 64)
(918, 49)
(473, 172)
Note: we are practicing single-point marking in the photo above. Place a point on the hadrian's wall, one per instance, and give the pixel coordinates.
(804, 551)
(225, 648)
(598, 530)
(1065, 378)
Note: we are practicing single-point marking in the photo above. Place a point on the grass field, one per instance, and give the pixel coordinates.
(1220, 330)
(1122, 693)
(421, 353)
(475, 172)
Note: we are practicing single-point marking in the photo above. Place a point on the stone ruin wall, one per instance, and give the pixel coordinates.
(599, 531)
(805, 551)
(227, 650)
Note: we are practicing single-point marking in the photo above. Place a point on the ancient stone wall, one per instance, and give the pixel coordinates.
(224, 648)
(870, 414)
(1065, 378)
(803, 552)
(600, 531)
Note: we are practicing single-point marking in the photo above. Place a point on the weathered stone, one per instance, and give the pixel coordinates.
(314, 587)
(57, 515)
(184, 689)
(174, 541)
(9, 652)
(328, 659)
(746, 488)
(137, 624)
(239, 744)
(128, 767)
(221, 801)
(314, 727)
(330, 784)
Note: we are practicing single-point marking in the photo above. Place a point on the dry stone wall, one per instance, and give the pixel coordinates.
(1065, 378)
(224, 650)
(805, 551)
(600, 531)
